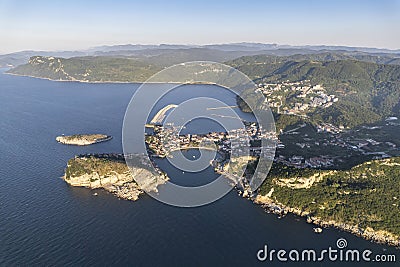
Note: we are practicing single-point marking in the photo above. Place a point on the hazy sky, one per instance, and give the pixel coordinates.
(66, 25)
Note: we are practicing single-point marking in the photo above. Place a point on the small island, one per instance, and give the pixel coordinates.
(83, 139)
(111, 173)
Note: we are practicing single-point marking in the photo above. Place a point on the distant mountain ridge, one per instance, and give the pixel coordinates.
(245, 46)
(224, 51)
(366, 91)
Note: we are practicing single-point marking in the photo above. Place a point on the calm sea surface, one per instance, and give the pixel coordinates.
(43, 221)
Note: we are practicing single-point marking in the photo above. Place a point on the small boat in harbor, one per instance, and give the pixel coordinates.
(317, 230)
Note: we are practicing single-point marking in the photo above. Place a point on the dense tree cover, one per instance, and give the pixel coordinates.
(91, 69)
(392, 59)
(86, 165)
(104, 164)
(367, 92)
(366, 195)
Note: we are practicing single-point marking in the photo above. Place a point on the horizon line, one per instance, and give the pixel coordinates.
(396, 50)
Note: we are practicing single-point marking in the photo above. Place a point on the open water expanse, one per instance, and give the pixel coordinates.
(43, 221)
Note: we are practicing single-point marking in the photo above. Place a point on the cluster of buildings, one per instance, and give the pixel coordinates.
(164, 140)
(301, 162)
(296, 97)
(371, 147)
(352, 143)
(329, 128)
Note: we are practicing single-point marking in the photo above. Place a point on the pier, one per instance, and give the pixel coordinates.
(160, 116)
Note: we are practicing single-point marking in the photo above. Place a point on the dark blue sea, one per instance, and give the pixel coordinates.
(45, 222)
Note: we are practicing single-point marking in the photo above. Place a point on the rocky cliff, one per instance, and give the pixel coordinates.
(110, 172)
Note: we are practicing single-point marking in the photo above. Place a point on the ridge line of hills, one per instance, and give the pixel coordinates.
(216, 52)
(367, 90)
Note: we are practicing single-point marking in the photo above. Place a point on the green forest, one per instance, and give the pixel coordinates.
(367, 195)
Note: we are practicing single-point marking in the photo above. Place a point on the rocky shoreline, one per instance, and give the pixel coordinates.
(271, 206)
(83, 139)
(110, 172)
(120, 182)
(368, 233)
(120, 185)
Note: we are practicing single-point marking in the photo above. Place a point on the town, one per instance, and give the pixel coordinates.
(296, 98)
(305, 146)
(165, 139)
(325, 146)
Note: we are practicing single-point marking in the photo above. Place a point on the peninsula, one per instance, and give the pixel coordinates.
(83, 139)
(363, 200)
(111, 173)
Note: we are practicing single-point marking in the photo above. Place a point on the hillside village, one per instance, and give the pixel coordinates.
(296, 98)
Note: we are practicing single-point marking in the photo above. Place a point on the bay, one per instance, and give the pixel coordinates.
(43, 221)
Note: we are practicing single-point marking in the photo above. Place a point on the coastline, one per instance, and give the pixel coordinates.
(81, 141)
(269, 205)
(107, 82)
(177, 149)
(111, 173)
(378, 236)
(78, 81)
(120, 185)
(123, 187)
(368, 233)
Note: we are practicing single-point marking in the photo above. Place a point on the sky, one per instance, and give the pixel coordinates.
(76, 25)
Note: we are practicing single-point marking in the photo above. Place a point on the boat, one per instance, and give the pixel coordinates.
(317, 230)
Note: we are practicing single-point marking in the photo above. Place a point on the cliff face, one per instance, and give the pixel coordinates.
(369, 233)
(120, 184)
(110, 173)
(363, 200)
(87, 69)
(43, 67)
